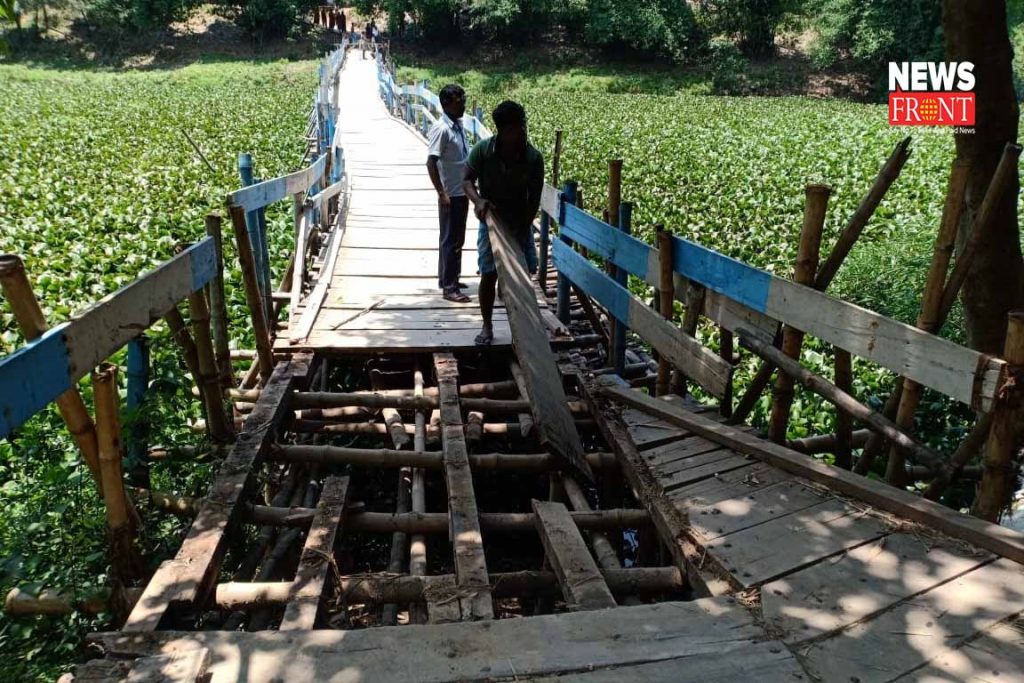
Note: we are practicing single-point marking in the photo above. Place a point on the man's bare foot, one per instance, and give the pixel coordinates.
(486, 336)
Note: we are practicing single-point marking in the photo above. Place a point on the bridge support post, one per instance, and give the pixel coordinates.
(562, 310)
(254, 225)
(622, 277)
(138, 381)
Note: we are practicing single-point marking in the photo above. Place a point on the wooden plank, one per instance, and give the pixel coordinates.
(467, 541)
(750, 508)
(997, 655)
(551, 416)
(701, 467)
(992, 537)
(189, 577)
(741, 481)
(39, 372)
(396, 263)
(767, 662)
(182, 667)
(269, 191)
(506, 649)
(697, 361)
(864, 581)
(402, 319)
(399, 341)
(688, 446)
(928, 627)
(790, 542)
(582, 584)
(317, 557)
(303, 327)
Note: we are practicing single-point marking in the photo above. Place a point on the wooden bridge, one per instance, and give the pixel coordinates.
(400, 505)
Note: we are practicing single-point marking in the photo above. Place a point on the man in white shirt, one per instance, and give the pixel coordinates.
(446, 162)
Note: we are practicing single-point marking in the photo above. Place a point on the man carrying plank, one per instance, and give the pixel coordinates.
(446, 162)
(505, 175)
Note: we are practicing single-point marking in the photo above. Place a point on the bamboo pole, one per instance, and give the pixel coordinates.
(827, 443)
(666, 297)
(264, 352)
(930, 311)
(887, 175)
(179, 330)
(967, 449)
(592, 317)
(1004, 178)
(727, 353)
(844, 425)
(207, 379)
(999, 476)
(695, 295)
(431, 460)
(108, 434)
(218, 305)
(308, 399)
(545, 229)
(418, 542)
(803, 273)
(32, 323)
(873, 420)
(613, 208)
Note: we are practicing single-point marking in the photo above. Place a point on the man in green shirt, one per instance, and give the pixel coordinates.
(504, 175)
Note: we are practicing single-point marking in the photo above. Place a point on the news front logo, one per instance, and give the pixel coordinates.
(932, 94)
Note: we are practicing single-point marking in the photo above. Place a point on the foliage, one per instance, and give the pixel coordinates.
(115, 18)
(93, 195)
(871, 32)
(726, 66)
(752, 22)
(663, 28)
(267, 19)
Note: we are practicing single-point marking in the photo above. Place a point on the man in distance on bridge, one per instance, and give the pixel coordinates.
(446, 162)
(504, 176)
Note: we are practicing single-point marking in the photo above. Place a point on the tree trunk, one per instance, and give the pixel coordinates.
(977, 32)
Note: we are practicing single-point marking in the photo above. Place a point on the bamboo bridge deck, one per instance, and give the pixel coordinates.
(543, 520)
(382, 293)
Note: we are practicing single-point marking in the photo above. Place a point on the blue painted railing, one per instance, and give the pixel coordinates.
(419, 106)
(39, 372)
(752, 302)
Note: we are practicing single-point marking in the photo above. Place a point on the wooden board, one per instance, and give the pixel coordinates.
(398, 341)
(317, 557)
(750, 508)
(992, 537)
(397, 263)
(402, 319)
(582, 585)
(928, 627)
(551, 417)
(862, 582)
(467, 541)
(996, 656)
(767, 662)
(790, 542)
(505, 650)
(441, 595)
(187, 578)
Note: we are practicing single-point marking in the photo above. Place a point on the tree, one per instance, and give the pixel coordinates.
(752, 22)
(977, 32)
